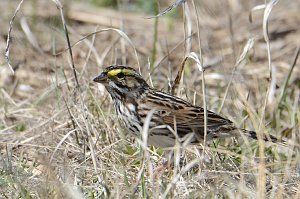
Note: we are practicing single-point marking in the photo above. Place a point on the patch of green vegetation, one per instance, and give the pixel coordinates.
(20, 127)
(11, 184)
(147, 6)
(130, 150)
(3, 181)
(105, 3)
(2, 126)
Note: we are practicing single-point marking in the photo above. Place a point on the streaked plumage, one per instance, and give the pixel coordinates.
(134, 99)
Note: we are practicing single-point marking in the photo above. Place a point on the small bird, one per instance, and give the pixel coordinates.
(173, 119)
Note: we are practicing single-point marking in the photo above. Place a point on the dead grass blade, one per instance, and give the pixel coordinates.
(155, 37)
(171, 7)
(8, 41)
(187, 28)
(247, 48)
(59, 144)
(198, 28)
(73, 121)
(288, 77)
(30, 36)
(259, 7)
(144, 145)
(178, 76)
(249, 45)
(261, 182)
(175, 178)
(121, 33)
(90, 45)
(60, 7)
(267, 13)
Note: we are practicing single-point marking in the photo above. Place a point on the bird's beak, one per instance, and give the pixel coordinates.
(101, 78)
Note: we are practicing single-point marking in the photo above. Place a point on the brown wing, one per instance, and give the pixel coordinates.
(188, 118)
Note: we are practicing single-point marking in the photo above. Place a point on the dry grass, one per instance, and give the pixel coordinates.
(61, 141)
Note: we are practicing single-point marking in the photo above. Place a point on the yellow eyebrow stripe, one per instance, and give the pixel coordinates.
(113, 72)
(117, 71)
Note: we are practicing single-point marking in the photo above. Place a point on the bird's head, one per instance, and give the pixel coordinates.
(122, 81)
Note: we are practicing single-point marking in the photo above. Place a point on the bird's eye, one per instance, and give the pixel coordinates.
(120, 75)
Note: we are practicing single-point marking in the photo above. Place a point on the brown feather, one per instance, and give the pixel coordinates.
(189, 118)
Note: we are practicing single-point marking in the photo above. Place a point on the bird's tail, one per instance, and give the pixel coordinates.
(267, 138)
